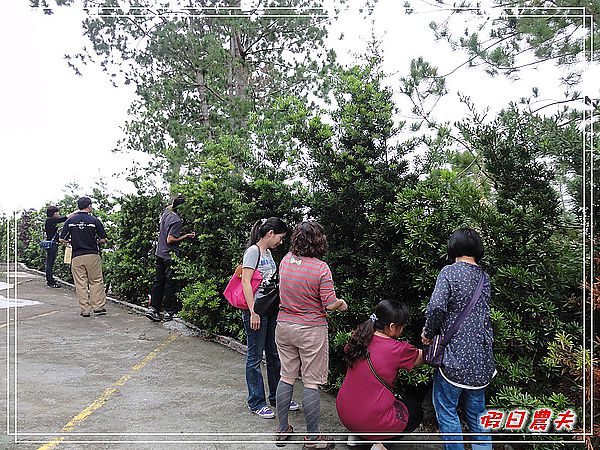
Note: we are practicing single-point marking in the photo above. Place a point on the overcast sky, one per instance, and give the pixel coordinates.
(57, 128)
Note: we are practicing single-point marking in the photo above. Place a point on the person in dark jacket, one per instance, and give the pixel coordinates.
(468, 361)
(164, 286)
(85, 233)
(53, 218)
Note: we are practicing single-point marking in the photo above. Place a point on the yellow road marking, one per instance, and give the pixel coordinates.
(107, 394)
(42, 315)
(32, 317)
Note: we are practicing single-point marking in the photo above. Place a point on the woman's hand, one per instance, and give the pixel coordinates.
(338, 305)
(424, 339)
(254, 321)
(419, 360)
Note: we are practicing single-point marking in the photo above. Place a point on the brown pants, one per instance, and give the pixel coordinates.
(303, 352)
(87, 274)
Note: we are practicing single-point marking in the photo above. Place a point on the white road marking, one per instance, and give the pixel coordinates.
(21, 275)
(18, 303)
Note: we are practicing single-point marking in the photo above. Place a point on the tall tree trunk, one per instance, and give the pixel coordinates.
(201, 84)
(238, 75)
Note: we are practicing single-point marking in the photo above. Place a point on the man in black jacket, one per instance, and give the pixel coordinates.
(85, 233)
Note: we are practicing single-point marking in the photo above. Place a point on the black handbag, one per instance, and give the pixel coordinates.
(266, 300)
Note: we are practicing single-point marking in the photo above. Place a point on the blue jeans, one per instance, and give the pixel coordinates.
(258, 341)
(445, 400)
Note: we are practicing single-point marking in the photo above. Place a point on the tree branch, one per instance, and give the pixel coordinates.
(558, 102)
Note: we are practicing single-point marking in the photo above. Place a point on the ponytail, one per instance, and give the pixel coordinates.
(263, 226)
(359, 342)
(386, 312)
(254, 233)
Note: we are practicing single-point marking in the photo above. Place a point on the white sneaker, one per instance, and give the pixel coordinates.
(354, 441)
(378, 446)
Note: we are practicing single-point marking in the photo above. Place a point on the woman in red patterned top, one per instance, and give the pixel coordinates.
(306, 292)
(363, 403)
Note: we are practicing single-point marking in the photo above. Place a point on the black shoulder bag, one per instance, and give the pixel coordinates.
(381, 380)
(266, 300)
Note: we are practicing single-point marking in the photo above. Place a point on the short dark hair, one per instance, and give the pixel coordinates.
(465, 242)
(308, 239)
(51, 210)
(180, 199)
(84, 202)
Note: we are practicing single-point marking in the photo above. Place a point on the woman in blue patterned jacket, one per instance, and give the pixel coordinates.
(468, 362)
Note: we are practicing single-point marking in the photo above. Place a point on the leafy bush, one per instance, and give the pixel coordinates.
(129, 266)
(221, 206)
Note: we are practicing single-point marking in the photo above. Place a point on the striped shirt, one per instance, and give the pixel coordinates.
(305, 289)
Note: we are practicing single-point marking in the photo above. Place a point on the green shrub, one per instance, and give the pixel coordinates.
(129, 265)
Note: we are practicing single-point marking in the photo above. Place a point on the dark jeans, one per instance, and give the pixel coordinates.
(258, 341)
(164, 286)
(50, 258)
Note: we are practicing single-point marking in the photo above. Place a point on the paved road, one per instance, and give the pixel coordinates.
(120, 381)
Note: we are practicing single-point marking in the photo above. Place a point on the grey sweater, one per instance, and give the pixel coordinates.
(469, 358)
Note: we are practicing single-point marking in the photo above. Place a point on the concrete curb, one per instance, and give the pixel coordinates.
(193, 329)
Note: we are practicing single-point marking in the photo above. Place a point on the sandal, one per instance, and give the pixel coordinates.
(282, 436)
(322, 442)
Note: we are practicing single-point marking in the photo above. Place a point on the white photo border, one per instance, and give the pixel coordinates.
(304, 12)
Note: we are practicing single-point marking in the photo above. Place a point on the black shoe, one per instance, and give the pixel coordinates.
(152, 314)
(53, 285)
(168, 316)
(85, 314)
(100, 312)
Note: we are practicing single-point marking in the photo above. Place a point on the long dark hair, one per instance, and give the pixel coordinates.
(263, 226)
(386, 312)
